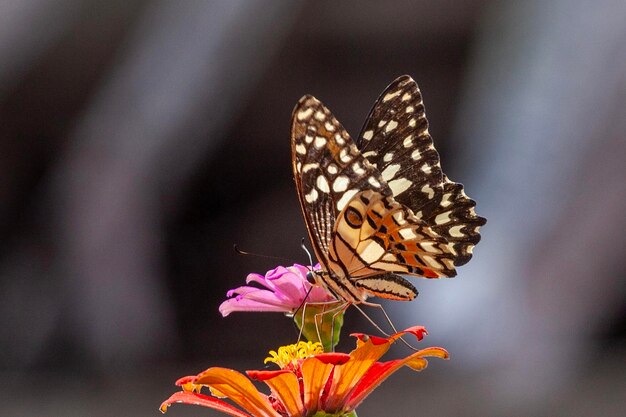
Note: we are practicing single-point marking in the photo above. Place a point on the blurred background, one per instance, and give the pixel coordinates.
(139, 140)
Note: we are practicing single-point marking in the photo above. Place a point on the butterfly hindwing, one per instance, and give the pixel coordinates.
(389, 286)
(455, 218)
(374, 235)
(396, 140)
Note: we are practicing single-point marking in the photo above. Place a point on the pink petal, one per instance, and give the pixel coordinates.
(259, 279)
(230, 306)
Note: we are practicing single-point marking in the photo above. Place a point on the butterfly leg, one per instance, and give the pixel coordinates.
(334, 312)
(382, 309)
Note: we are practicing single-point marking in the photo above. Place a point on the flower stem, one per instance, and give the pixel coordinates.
(321, 322)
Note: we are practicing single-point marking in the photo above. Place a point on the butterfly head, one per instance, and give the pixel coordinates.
(310, 276)
(314, 277)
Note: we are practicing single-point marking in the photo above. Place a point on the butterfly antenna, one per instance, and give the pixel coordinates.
(303, 246)
(260, 255)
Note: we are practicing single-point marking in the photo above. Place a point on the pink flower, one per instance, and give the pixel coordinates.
(283, 289)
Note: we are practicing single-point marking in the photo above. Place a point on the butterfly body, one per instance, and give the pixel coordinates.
(380, 206)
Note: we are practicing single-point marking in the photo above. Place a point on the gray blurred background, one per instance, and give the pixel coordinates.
(140, 140)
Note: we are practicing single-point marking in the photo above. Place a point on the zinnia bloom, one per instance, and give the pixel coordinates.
(283, 289)
(309, 383)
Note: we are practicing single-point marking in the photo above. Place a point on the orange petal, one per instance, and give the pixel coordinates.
(286, 389)
(237, 388)
(185, 397)
(264, 375)
(314, 376)
(333, 358)
(418, 331)
(380, 371)
(346, 376)
(187, 383)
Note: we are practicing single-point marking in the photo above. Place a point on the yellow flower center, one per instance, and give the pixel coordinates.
(290, 354)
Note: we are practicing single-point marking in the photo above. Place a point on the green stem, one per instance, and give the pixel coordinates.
(321, 321)
(323, 414)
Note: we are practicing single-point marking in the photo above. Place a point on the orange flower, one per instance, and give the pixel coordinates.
(309, 384)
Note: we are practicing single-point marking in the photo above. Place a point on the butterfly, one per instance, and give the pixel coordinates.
(379, 207)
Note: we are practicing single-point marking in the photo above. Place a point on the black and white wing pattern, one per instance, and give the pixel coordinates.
(359, 233)
(395, 139)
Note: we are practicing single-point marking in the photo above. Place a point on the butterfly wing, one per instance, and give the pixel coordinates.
(328, 171)
(333, 180)
(375, 234)
(395, 139)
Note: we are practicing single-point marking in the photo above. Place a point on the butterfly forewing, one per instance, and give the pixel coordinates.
(328, 170)
(396, 140)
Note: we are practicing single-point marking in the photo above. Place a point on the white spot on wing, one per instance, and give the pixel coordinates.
(308, 139)
(329, 126)
(303, 114)
(356, 167)
(399, 185)
(416, 154)
(391, 95)
(428, 190)
(320, 142)
(390, 257)
(301, 149)
(406, 96)
(345, 156)
(412, 122)
(322, 184)
(332, 168)
(368, 135)
(341, 183)
(407, 233)
(370, 153)
(408, 141)
(430, 247)
(373, 181)
(345, 199)
(308, 167)
(409, 109)
(390, 171)
(431, 261)
(372, 252)
(319, 115)
(443, 218)
(382, 123)
(388, 157)
(399, 217)
(426, 169)
(391, 125)
(455, 231)
(312, 196)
